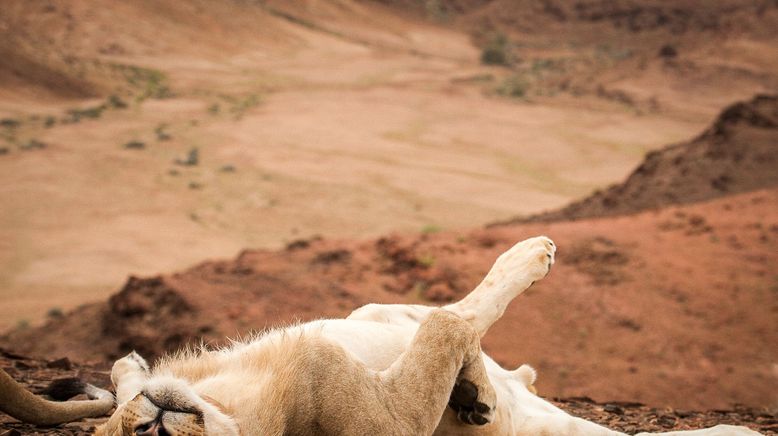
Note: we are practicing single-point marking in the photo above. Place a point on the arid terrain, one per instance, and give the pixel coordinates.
(309, 157)
(341, 119)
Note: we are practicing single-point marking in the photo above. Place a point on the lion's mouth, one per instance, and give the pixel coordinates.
(153, 428)
(170, 405)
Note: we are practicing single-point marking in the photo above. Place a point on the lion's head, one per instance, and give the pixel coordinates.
(160, 405)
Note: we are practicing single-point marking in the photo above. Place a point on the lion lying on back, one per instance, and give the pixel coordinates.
(384, 370)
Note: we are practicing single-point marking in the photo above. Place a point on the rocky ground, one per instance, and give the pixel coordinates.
(630, 417)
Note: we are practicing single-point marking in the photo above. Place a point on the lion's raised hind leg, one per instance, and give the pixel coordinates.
(513, 272)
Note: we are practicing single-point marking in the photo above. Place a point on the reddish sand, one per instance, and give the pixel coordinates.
(339, 118)
(676, 307)
(355, 119)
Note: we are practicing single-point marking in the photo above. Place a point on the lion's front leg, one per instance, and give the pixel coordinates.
(128, 376)
(442, 366)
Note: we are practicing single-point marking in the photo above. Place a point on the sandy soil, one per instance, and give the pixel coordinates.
(345, 119)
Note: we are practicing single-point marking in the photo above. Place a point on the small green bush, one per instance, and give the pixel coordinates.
(75, 115)
(497, 51)
(10, 123)
(135, 145)
(192, 158)
(162, 135)
(55, 312)
(513, 86)
(116, 102)
(33, 144)
(431, 228)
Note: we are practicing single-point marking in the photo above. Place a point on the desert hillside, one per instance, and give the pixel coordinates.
(145, 136)
(672, 308)
(738, 153)
(174, 172)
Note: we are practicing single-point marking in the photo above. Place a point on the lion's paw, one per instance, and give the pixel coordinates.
(130, 364)
(526, 262)
(472, 405)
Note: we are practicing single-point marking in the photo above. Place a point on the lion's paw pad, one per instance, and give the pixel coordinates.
(464, 401)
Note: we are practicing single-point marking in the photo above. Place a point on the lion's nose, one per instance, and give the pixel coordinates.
(153, 428)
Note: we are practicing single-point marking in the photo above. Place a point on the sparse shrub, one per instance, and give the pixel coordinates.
(426, 260)
(22, 324)
(609, 52)
(192, 158)
(49, 121)
(541, 65)
(436, 10)
(4, 150)
(75, 115)
(228, 168)
(243, 104)
(497, 51)
(668, 51)
(55, 312)
(214, 109)
(10, 123)
(195, 185)
(151, 83)
(162, 135)
(431, 228)
(116, 102)
(513, 86)
(33, 144)
(135, 145)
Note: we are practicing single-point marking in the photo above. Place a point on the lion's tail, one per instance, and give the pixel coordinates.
(21, 404)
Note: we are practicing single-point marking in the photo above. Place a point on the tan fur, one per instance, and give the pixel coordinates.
(22, 405)
(288, 382)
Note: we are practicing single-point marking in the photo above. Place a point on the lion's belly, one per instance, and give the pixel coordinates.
(375, 344)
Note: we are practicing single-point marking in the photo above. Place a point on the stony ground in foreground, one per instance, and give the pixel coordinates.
(36, 374)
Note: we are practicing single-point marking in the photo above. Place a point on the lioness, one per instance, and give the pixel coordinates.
(384, 370)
